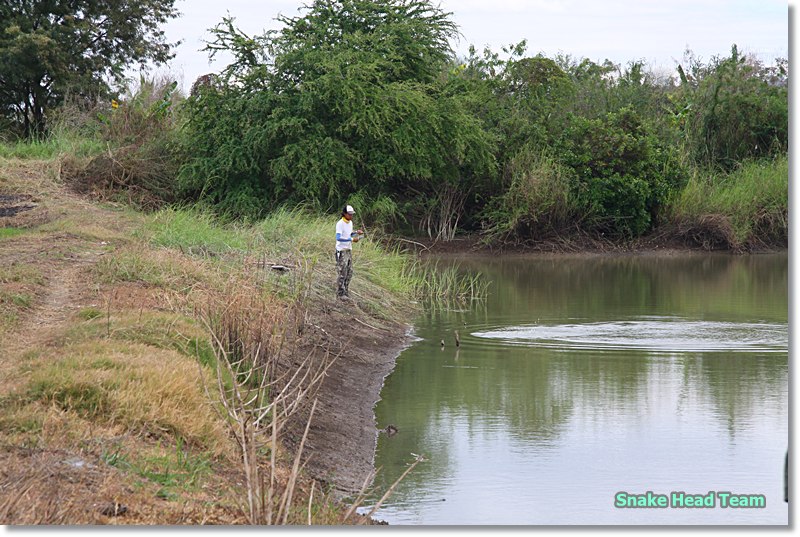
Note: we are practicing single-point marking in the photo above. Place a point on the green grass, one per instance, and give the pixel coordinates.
(753, 200)
(85, 399)
(11, 232)
(51, 147)
(159, 330)
(19, 300)
(305, 241)
(130, 266)
(196, 232)
(385, 280)
(157, 268)
(175, 471)
(88, 314)
(286, 230)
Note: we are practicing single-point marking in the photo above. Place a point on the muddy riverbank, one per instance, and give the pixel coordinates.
(343, 432)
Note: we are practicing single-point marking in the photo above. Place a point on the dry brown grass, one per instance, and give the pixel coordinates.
(258, 393)
(108, 388)
(708, 231)
(52, 486)
(37, 178)
(136, 175)
(111, 363)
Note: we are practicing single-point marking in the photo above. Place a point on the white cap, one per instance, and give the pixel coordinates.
(350, 209)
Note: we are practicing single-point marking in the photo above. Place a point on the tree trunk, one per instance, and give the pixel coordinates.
(39, 126)
(26, 117)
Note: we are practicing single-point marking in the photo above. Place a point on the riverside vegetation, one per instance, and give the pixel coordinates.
(365, 103)
(156, 363)
(153, 359)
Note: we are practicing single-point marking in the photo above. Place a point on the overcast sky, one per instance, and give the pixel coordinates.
(657, 31)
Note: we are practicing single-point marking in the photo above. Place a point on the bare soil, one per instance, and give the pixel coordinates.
(343, 433)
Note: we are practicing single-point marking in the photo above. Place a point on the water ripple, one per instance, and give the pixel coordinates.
(651, 334)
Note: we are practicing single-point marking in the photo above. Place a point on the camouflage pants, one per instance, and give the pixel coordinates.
(344, 266)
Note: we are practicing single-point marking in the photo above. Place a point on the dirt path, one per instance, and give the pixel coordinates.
(62, 298)
(61, 261)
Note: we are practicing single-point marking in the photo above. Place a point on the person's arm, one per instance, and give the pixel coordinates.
(339, 238)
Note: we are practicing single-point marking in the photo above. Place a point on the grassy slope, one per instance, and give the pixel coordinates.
(102, 339)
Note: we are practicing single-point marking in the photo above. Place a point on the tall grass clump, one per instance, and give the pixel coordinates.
(538, 202)
(197, 232)
(385, 276)
(747, 208)
(448, 287)
(286, 230)
(309, 239)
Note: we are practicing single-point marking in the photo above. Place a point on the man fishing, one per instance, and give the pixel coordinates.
(345, 237)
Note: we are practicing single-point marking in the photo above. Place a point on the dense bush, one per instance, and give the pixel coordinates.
(623, 176)
(733, 109)
(363, 102)
(538, 204)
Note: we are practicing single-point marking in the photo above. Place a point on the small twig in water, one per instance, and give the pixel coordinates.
(419, 459)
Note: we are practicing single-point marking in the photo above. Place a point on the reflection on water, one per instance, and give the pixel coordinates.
(579, 378)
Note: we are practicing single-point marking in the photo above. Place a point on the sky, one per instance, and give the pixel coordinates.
(656, 31)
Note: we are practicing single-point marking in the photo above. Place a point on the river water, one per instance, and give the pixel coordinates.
(579, 378)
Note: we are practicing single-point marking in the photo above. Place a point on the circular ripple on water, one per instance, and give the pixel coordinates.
(650, 334)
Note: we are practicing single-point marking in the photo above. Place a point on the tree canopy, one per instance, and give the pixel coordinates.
(351, 97)
(51, 48)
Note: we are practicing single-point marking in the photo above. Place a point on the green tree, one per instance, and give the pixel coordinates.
(733, 109)
(352, 96)
(51, 48)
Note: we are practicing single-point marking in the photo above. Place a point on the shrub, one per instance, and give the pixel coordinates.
(623, 175)
(734, 109)
(140, 164)
(346, 98)
(538, 203)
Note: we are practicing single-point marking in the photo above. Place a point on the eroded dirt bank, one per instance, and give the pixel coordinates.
(343, 433)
